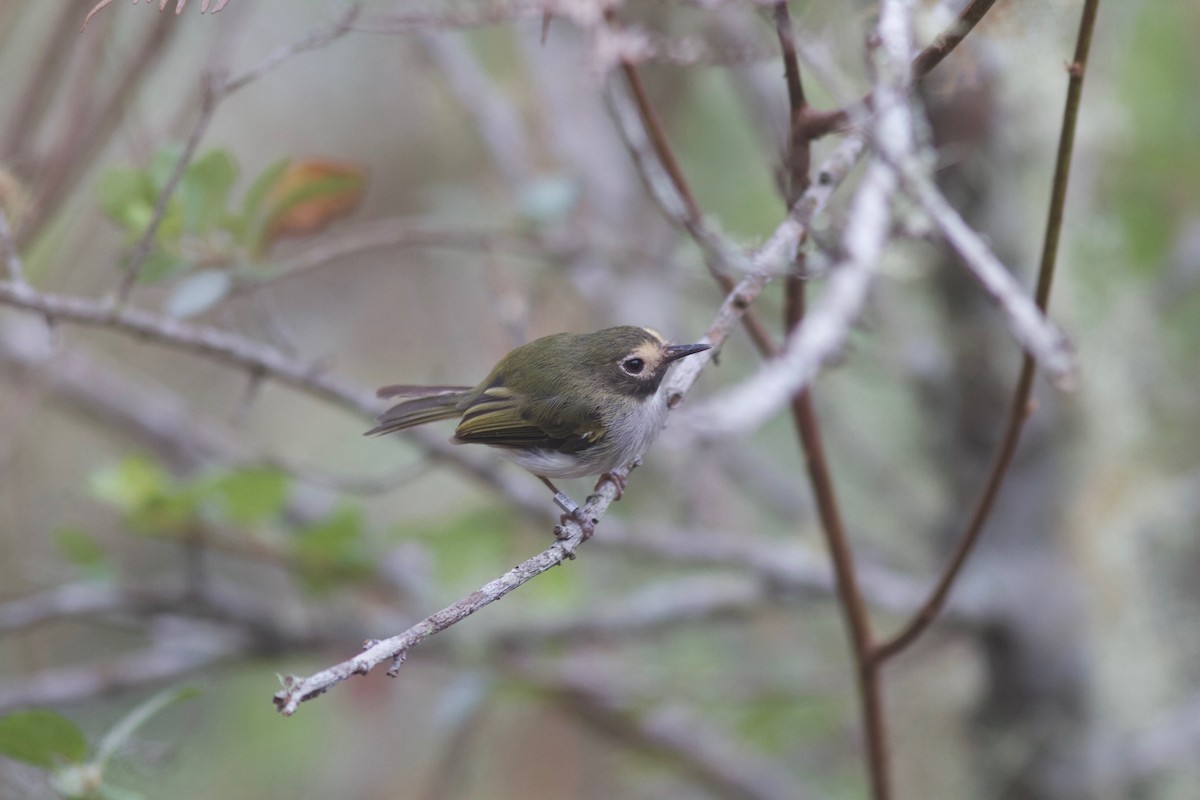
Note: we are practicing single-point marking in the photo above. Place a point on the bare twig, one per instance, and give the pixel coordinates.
(675, 734)
(849, 591)
(212, 342)
(42, 81)
(217, 5)
(91, 121)
(818, 124)
(212, 92)
(1039, 336)
(257, 359)
(163, 661)
(719, 254)
(317, 38)
(399, 232)
(819, 339)
(947, 40)
(395, 649)
(1020, 407)
(215, 89)
(297, 690)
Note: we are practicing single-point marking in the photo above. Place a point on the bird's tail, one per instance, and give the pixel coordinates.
(421, 404)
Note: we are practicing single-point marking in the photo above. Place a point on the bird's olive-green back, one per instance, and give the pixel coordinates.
(556, 392)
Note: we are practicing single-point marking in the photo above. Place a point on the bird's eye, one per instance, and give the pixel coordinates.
(633, 366)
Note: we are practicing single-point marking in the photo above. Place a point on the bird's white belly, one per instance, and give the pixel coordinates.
(626, 436)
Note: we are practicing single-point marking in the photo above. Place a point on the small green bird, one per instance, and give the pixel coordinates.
(563, 406)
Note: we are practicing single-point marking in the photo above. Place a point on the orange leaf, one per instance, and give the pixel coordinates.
(308, 195)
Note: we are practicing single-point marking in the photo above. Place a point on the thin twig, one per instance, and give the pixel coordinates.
(1020, 408)
(212, 92)
(42, 82)
(395, 649)
(822, 123)
(256, 359)
(819, 339)
(850, 594)
(721, 766)
(947, 40)
(297, 690)
(849, 591)
(215, 89)
(398, 232)
(91, 121)
(692, 218)
(317, 38)
(799, 146)
(1050, 347)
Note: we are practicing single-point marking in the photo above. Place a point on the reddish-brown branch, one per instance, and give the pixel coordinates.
(86, 137)
(1021, 407)
(799, 146)
(849, 593)
(823, 123)
(40, 88)
(658, 138)
(858, 622)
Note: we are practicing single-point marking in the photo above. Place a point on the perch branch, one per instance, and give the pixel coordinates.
(788, 235)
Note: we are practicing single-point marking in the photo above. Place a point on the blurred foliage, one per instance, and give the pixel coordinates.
(776, 684)
(205, 246)
(48, 740)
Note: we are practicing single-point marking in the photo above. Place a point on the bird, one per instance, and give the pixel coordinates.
(567, 405)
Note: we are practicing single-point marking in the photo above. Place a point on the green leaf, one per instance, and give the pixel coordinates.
(42, 738)
(126, 195)
(128, 725)
(162, 164)
(148, 497)
(79, 547)
(129, 484)
(249, 496)
(204, 190)
(198, 292)
(252, 203)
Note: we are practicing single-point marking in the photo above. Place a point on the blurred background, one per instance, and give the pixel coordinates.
(406, 201)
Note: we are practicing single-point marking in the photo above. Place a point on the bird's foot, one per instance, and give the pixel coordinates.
(586, 524)
(617, 479)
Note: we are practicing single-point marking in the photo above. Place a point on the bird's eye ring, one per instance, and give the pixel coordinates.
(633, 366)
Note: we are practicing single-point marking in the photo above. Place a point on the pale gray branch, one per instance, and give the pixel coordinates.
(1029, 325)
(675, 733)
(822, 334)
(261, 360)
(189, 650)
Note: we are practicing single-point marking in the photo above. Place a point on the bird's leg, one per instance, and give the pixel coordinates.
(572, 511)
(560, 497)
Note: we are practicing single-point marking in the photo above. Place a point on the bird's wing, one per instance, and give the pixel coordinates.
(432, 404)
(498, 417)
(405, 390)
